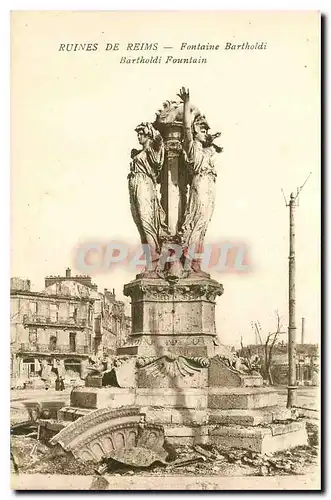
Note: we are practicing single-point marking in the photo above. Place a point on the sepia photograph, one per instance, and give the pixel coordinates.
(165, 286)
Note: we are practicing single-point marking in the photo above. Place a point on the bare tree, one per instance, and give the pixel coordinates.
(269, 347)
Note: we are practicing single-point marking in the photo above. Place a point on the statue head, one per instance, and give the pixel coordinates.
(145, 133)
(210, 142)
(200, 129)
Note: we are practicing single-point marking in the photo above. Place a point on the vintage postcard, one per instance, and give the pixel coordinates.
(165, 250)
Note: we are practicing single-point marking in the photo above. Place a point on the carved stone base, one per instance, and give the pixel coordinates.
(186, 345)
(173, 331)
(164, 312)
(179, 371)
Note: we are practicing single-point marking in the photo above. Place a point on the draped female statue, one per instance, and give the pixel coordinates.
(143, 178)
(199, 151)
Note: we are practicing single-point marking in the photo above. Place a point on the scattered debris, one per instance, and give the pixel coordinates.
(204, 452)
(13, 463)
(27, 427)
(200, 459)
(183, 462)
(99, 483)
(136, 457)
(34, 449)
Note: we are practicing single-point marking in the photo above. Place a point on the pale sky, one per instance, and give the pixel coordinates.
(73, 120)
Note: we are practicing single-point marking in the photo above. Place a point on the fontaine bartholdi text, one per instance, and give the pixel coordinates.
(155, 46)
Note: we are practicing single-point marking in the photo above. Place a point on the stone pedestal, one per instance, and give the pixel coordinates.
(172, 318)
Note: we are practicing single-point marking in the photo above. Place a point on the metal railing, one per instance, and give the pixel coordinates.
(58, 349)
(47, 320)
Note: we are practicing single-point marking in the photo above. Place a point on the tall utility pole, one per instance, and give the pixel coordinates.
(292, 386)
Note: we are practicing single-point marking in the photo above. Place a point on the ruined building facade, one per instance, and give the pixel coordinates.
(67, 323)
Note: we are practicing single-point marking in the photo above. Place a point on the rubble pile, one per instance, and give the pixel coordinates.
(294, 461)
(186, 460)
(33, 457)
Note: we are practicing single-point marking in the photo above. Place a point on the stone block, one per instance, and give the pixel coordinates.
(70, 413)
(157, 415)
(189, 417)
(186, 435)
(185, 398)
(237, 437)
(277, 429)
(285, 441)
(93, 381)
(220, 375)
(49, 429)
(184, 431)
(260, 439)
(251, 417)
(49, 409)
(175, 416)
(112, 397)
(241, 398)
(239, 417)
(283, 413)
(129, 350)
(252, 381)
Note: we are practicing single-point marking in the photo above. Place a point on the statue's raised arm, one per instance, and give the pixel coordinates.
(184, 94)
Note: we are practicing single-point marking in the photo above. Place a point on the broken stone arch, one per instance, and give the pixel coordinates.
(107, 433)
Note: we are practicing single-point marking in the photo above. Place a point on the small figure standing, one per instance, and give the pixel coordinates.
(57, 383)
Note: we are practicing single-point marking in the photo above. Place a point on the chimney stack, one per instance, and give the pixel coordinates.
(68, 272)
(302, 330)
